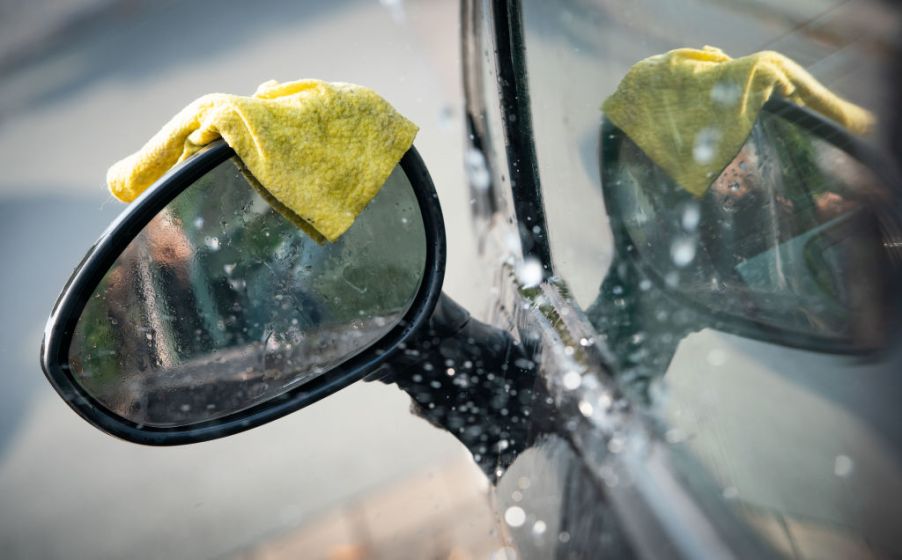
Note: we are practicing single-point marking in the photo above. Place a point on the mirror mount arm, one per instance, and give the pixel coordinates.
(473, 380)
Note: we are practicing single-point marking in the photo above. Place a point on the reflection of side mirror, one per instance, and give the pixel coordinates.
(202, 311)
(788, 244)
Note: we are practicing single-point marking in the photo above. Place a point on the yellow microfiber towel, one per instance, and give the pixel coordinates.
(320, 151)
(691, 110)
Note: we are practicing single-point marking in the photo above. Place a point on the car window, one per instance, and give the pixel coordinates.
(751, 321)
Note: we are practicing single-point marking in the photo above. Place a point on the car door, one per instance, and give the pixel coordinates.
(749, 441)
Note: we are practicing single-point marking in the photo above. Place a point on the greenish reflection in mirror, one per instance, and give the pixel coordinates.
(220, 303)
(784, 237)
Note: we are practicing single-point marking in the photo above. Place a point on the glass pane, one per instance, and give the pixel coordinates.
(805, 445)
(784, 237)
(220, 303)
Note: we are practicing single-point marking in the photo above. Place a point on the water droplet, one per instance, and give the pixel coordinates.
(539, 527)
(705, 147)
(512, 242)
(529, 272)
(605, 401)
(198, 222)
(515, 516)
(585, 408)
(446, 117)
(672, 279)
(211, 242)
(691, 216)
(725, 93)
(229, 268)
(682, 251)
(843, 466)
(477, 170)
(572, 380)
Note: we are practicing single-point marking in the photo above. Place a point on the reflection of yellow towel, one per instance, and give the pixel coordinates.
(320, 150)
(691, 110)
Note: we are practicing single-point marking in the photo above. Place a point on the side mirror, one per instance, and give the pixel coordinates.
(202, 311)
(791, 243)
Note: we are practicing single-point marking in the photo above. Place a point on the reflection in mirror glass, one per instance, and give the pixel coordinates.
(220, 303)
(784, 237)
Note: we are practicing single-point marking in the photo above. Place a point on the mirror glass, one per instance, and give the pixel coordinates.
(221, 303)
(785, 236)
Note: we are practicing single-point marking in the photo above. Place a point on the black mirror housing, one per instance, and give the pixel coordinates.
(61, 326)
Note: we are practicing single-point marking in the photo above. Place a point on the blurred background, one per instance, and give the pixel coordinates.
(84, 83)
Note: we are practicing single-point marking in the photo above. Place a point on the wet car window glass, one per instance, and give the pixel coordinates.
(221, 303)
(745, 320)
(785, 236)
